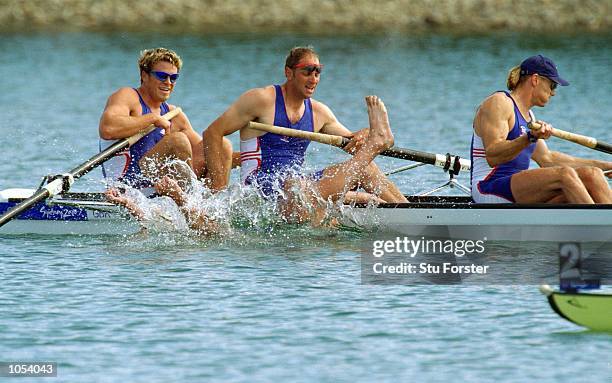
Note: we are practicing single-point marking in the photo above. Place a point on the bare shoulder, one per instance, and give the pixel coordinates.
(254, 101)
(259, 94)
(497, 103)
(126, 97)
(250, 106)
(325, 120)
(321, 110)
(125, 93)
(494, 117)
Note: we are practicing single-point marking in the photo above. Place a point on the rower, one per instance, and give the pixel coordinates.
(502, 146)
(267, 159)
(130, 110)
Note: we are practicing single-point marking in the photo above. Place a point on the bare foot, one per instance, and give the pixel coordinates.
(380, 137)
(115, 196)
(170, 187)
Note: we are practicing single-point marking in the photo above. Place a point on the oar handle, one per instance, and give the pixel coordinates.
(589, 142)
(118, 146)
(444, 161)
(168, 116)
(577, 138)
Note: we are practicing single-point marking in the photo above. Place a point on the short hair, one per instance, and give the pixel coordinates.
(296, 54)
(150, 57)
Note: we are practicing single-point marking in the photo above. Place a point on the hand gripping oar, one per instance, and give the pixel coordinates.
(440, 160)
(62, 183)
(579, 139)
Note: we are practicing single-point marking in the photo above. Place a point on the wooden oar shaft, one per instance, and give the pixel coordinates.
(589, 142)
(439, 160)
(57, 186)
(311, 136)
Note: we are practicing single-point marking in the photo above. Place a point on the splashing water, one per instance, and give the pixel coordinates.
(239, 210)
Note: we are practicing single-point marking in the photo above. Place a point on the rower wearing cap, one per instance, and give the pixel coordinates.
(267, 159)
(502, 146)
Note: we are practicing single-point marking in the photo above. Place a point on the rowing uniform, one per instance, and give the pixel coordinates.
(492, 185)
(266, 161)
(124, 166)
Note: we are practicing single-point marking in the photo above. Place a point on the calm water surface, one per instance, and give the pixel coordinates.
(285, 304)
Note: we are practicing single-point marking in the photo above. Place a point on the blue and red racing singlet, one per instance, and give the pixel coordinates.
(265, 161)
(124, 165)
(490, 185)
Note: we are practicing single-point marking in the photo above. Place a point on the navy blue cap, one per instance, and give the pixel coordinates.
(542, 66)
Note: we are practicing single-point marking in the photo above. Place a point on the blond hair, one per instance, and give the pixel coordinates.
(514, 78)
(150, 57)
(296, 54)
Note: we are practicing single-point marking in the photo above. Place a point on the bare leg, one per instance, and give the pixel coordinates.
(229, 160)
(375, 182)
(174, 146)
(170, 187)
(547, 184)
(196, 218)
(361, 197)
(338, 179)
(595, 183)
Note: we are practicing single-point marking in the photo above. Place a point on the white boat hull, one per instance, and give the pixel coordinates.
(443, 217)
(455, 217)
(83, 214)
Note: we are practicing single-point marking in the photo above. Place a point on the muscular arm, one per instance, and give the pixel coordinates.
(236, 117)
(118, 121)
(492, 123)
(547, 158)
(331, 125)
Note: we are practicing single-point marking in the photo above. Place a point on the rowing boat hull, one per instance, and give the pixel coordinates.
(84, 214)
(119, 226)
(593, 311)
(445, 217)
(455, 217)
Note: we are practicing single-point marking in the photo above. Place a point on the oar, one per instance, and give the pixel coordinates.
(63, 183)
(589, 142)
(440, 160)
(404, 168)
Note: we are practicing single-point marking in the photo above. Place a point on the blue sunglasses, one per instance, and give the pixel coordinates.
(163, 76)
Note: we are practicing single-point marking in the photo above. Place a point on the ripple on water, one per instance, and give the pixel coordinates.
(268, 301)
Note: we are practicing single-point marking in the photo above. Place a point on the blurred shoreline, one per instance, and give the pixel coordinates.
(313, 17)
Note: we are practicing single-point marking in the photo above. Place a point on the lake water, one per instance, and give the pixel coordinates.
(285, 304)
